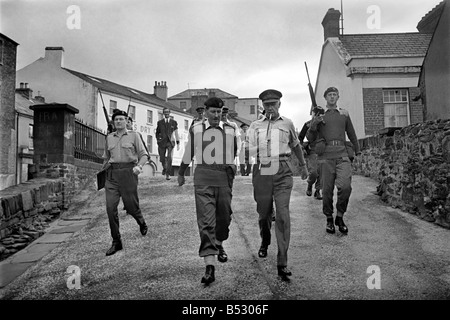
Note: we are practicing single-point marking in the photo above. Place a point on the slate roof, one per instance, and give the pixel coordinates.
(22, 104)
(412, 44)
(109, 86)
(186, 94)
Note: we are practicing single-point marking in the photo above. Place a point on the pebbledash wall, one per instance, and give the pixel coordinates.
(412, 165)
(57, 175)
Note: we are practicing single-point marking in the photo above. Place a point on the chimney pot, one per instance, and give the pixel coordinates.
(21, 85)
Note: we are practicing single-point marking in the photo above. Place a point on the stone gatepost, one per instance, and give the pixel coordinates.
(54, 130)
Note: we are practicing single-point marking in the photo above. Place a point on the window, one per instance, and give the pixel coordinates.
(150, 116)
(112, 106)
(252, 109)
(396, 108)
(186, 125)
(132, 112)
(183, 105)
(30, 137)
(150, 144)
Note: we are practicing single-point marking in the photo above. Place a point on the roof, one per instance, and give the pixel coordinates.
(131, 93)
(379, 45)
(432, 15)
(22, 104)
(186, 94)
(8, 38)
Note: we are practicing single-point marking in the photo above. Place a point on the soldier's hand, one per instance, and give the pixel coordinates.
(181, 180)
(316, 120)
(137, 170)
(303, 172)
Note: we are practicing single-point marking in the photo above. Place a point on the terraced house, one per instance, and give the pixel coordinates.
(89, 94)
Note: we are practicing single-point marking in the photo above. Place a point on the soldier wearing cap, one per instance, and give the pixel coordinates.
(335, 154)
(214, 144)
(200, 115)
(124, 156)
(244, 155)
(225, 118)
(273, 139)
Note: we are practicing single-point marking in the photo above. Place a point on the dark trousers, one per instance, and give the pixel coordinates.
(165, 152)
(314, 171)
(246, 168)
(213, 206)
(121, 183)
(336, 172)
(269, 188)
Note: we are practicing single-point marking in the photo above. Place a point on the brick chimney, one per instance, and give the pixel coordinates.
(330, 24)
(39, 98)
(160, 90)
(55, 55)
(25, 91)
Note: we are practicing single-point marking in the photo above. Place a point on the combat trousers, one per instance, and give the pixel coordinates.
(213, 206)
(121, 183)
(277, 187)
(314, 171)
(166, 160)
(336, 172)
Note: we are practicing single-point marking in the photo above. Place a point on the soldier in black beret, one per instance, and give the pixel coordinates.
(200, 115)
(123, 163)
(213, 182)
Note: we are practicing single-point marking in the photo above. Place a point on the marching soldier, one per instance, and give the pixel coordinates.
(328, 131)
(213, 143)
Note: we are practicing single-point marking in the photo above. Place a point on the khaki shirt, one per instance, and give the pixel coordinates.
(282, 138)
(124, 149)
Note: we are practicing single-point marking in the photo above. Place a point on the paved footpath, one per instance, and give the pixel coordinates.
(388, 254)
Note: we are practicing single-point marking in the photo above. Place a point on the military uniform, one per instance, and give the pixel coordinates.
(214, 148)
(335, 163)
(273, 177)
(312, 162)
(123, 153)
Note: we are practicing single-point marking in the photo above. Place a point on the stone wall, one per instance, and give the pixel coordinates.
(413, 168)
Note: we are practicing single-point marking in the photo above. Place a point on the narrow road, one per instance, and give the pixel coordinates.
(410, 256)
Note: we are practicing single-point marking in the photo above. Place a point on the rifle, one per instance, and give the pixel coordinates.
(108, 122)
(315, 109)
(140, 135)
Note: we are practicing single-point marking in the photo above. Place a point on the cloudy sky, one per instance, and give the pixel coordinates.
(240, 46)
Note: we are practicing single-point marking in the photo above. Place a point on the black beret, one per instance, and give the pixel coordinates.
(118, 112)
(330, 89)
(270, 94)
(225, 110)
(244, 124)
(213, 102)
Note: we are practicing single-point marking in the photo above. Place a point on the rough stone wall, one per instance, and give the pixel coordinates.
(413, 168)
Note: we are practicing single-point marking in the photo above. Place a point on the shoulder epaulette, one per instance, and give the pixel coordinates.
(344, 112)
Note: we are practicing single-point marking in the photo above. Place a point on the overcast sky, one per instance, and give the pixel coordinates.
(240, 46)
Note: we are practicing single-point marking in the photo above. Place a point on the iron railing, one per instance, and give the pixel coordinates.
(89, 142)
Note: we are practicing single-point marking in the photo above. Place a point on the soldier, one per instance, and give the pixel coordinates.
(311, 160)
(273, 138)
(213, 143)
(124, 157)
(328, 131)
(244, 155)
(200, 115)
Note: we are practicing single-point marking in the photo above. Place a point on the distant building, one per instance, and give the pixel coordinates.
(190, 99)
(24, 120)
(248, 108)
(87, 93)
(434, 80)
(376, 74)
(8, 125)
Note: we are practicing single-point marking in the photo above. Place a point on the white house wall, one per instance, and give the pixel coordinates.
(141, 125)
(57, 85)
(332, 73)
